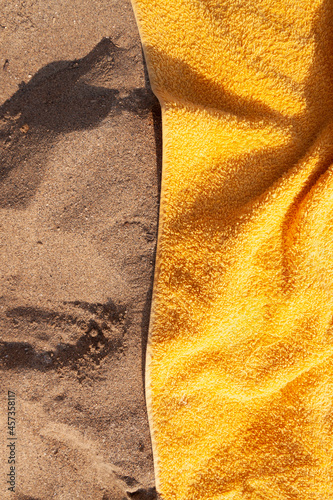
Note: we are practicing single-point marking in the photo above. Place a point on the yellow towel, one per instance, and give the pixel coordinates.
(240, 356)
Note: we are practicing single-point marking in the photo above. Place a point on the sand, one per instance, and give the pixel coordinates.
(80, 141)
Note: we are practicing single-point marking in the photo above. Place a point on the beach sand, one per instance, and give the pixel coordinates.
(80, 140)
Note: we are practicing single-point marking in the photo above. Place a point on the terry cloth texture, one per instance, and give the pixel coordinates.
(240, 354)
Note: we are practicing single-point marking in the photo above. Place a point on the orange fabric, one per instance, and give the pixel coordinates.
(240, 355)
